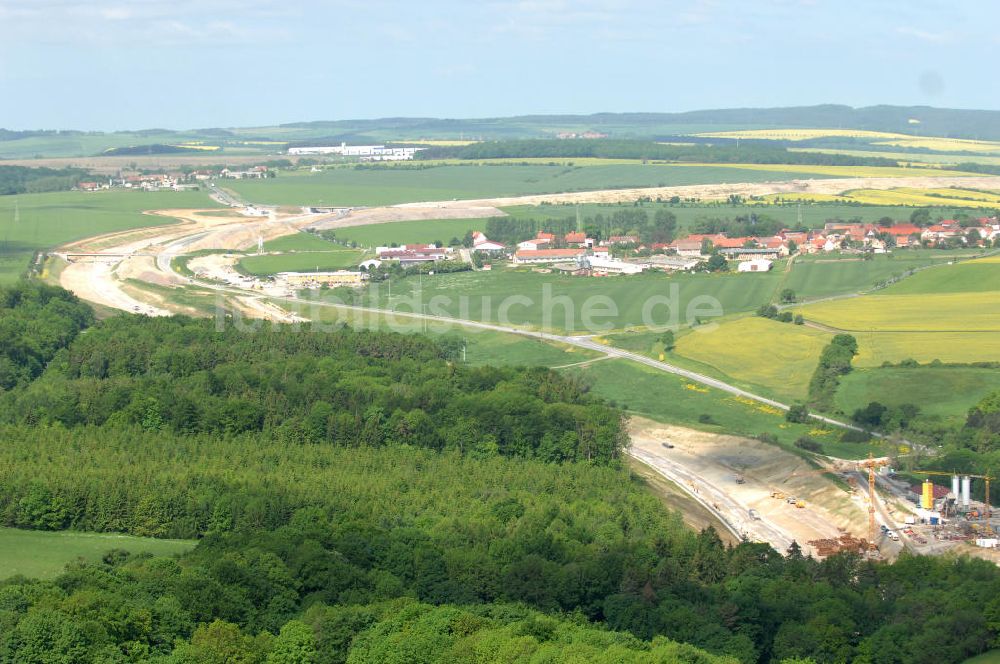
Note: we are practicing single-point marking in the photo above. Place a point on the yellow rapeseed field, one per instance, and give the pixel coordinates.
(904, 196)
(918, 312)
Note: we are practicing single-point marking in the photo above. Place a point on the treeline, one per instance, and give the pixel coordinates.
(343, 387)
(742, 225)
(33, 180)
(661, 226)
(748, 152)
(310, 528)
(834, 362)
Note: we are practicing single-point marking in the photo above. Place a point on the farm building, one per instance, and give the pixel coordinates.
(534, 244)
(754, 265)
(482, 243)
(671, 262)
(747, 253)
(365, 152)
(613, 266)
(528, 256)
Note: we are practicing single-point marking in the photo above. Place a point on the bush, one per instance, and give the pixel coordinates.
(797, 413)
(808, 444)
(705, 418)
(855, 436)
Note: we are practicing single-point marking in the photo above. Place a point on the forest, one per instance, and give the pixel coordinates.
(747, 152)
(361, 496)
(25, 180)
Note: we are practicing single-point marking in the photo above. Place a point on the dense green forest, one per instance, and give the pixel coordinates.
(25, 180)
(747, 152)
(363, 497)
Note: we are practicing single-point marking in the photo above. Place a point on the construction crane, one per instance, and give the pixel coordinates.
(986, 479)
(871, 464)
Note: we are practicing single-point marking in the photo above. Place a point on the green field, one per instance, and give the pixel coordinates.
(991, 657)
(669, 398)
(823, 275)
(39, 554)
(438, 231)
(300, 241)
(559, 302)
(944, 393)
(974, 276)
(387, 186)
(309, 261)
(48, 220)
(778, 356)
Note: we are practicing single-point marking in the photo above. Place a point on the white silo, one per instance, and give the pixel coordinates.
(966, 490)
(954, 487)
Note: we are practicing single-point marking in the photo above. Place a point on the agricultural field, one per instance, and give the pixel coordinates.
(300, 241)
(50, 219)
(778, 356)
(43, 555)
(306, 261)
(943, 393)
(901, 196)
(949, 313)
(557, 302)
(392, 185)
(407, 232)
(668, 398)
(821, 275)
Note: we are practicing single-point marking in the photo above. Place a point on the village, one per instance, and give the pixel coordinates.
(576, 254)
(173, 180)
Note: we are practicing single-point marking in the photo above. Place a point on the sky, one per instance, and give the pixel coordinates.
(132, 64)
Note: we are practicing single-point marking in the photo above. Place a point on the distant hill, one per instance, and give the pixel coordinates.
(919, 120)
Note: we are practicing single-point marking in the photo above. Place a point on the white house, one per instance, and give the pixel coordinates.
(534, 244)
(755, 265)
(482, 243)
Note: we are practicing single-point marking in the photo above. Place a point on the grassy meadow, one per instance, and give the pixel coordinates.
(306, 261)
(43, 555)
(822, 275)
(47, 220)
(943, 393)
(300, 241)
(490, 297)
(410, 232)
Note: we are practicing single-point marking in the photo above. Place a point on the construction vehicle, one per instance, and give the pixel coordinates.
(800, 504)
(739, 479)
(754, 514)
(778, 494)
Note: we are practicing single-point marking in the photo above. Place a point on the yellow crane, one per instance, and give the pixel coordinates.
(871, 464)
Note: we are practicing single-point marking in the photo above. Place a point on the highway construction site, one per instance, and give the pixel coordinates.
(754, 490)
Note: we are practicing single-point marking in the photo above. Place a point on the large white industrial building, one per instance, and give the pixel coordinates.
(365, 152)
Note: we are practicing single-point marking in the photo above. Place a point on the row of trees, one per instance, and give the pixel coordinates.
(834, 362)
(661, 226)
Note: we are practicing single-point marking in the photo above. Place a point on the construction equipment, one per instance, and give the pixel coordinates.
(800, 504)
(871, 464)
(964, 488)
(777, 494)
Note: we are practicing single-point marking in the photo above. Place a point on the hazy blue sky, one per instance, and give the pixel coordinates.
(202, 63)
